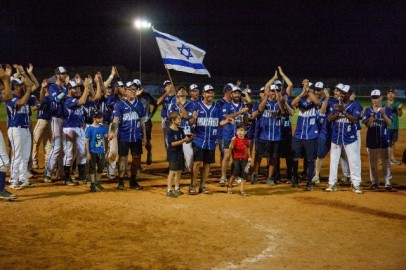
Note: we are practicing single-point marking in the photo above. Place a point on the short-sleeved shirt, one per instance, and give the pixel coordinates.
(184, 124)
(19, 117)
(269, 122)
(220, 103)
(165, 105)
(344, 132)
(206, 126)
(378, 133)
(57, 108)
(129, 114)
(307, 127)
(230, 128)
(241, 148)
(96, 138)
(110, 103)
(175, 153)
(74, 114)
(394, 109)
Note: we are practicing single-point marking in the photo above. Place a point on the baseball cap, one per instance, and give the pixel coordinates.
(166, 82)
(340, 86)
(16, 82)
(319, 85)
(193, 86)
(96, 114)
(346, 88)
(228, 87)
(129, 84)
(274, 87)
(71, 84)
(137, 82)
(262, 89)
(60, 70)
(236, 88)
(277, 82)
(376, 92)
(208, 87)
(118, 84)
(249, 91)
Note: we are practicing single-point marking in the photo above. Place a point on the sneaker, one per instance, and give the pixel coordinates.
(203, 190)
(26, 184)
(254, 179)
(69, 182)
(222, 182)
(99, 186)
(357, 189)
(47, 179)
(270, 181)
(15, 186)
(82, 180)
(178, 192)
(120, 185)
(316, 179)
(93, 187)
(394, 162)
(331, 188)
(136, 186)
(171, 194)
(309, 187)
(112, 177)
(149, 158)
(388, 187)
(238, 180)
(373, 187)
(4, 194)
(294, 182)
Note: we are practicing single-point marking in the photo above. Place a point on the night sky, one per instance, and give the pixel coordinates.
(240, 37)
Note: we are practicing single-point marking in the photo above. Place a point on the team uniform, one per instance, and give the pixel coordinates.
(285, 145)
(18, 123)
(4, 165)
(344, 138)
(378, 145)
(229, 130)
(324, 140)
(56, 156)
(164, 115)
(42, 130)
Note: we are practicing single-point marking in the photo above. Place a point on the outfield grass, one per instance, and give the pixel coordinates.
(157, 117)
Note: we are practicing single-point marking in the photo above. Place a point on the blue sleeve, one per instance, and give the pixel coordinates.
(12, 103)
(117, 109)
(367, 114)
(88, 132)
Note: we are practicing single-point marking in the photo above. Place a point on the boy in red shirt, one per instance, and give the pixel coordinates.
(241, 157)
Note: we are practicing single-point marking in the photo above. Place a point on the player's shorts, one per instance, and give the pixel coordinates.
(176, 165)
(135, 147)
(239, 167)
(323, 147)
(148, 130)
(207, 156)
(226, 143)
(96, 159)
(393, 135)
(285, 145)
(267, 149)
(303, 148)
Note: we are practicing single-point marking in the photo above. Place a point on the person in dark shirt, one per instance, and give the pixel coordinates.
(175, 138)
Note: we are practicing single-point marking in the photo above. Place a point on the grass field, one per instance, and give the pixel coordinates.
(157, 117)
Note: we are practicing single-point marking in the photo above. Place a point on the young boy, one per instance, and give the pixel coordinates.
(241, 156)
(95, 135)
(175, 138)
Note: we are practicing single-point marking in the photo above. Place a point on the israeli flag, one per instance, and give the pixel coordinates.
(180, 55)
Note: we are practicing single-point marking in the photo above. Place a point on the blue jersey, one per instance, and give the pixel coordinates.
(378, 132)
(220, 103)
(73, 112)
(96, 138)
(110, 103)
(184, 124)
(130, 115)
(344, 132)
(269, 122)
(165, 105)
(307, 127)
(206, 126)
(358, 123)
(229, 130)
(251, 121)
(324, 124)
(56, 107)
(44, 109)
(18, 117)
(285, 118)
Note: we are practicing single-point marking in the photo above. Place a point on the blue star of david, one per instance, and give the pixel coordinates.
(185, 51)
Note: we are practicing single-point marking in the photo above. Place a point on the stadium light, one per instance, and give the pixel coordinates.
(141, 24)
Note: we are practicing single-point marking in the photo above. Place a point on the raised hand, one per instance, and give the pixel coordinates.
(326, 93)
(114, 71)
(44, 84)
(78, 80)
(281, 71)
(30, 68)
(9, 70)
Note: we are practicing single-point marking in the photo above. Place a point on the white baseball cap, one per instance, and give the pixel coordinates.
(319, 85)
(137, 82)
(376, 92)
(346, 88)
(208, 87)
(71, 84)
(166, 82)
(236, 88)
(274, 87)
(277, 82)
(193, 86)
(340, 86)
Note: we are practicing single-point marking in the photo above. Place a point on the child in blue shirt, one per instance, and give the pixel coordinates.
(95, 135)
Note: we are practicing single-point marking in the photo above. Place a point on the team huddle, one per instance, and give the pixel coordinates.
(88, 124)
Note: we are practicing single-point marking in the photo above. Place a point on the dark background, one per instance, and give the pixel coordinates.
(241, 38)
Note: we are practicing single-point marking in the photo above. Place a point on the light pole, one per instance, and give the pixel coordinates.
(141, 24)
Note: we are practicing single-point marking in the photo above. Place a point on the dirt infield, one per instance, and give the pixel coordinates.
(52, 226)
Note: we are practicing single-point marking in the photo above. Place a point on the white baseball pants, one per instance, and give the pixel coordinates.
(20, 140)
(354, 161)
(74, 146)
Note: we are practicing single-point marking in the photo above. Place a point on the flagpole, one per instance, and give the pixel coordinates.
(170, 77)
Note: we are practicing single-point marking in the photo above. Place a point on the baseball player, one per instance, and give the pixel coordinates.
(166, 100)
(57, 92)
(18, 123)
(220, 103)
(129, 123)
(5, 95)
(206, 118)
(235, 110)
(377, 119)
(344, 138)
(73, 133)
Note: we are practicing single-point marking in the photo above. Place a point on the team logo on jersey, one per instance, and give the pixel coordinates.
(130, 116)
(209, 122)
